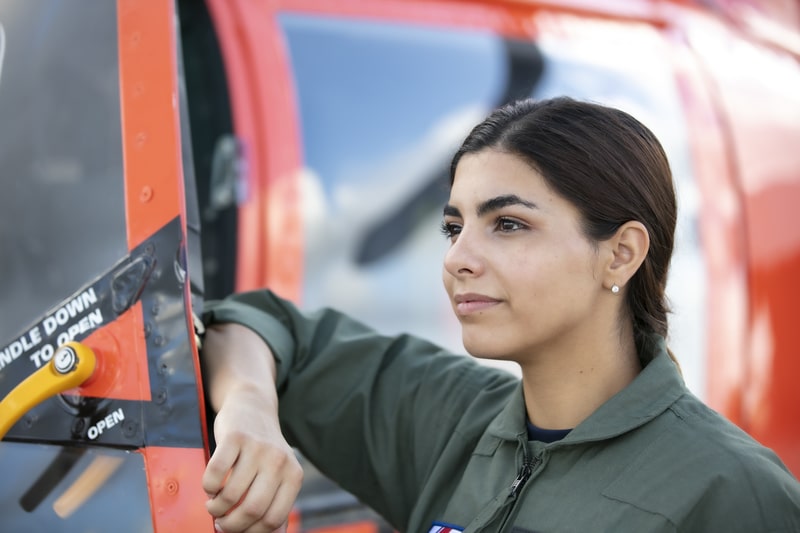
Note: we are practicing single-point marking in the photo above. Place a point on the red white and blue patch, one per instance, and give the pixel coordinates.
(439, 527)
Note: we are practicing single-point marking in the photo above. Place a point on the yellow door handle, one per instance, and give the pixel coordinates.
(72, 364)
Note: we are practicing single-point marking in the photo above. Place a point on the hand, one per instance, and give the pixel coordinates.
(254, 477)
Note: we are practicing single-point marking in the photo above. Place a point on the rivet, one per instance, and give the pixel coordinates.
(172, 486)
(141, 138)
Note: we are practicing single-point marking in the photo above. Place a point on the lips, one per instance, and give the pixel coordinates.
(467, 304)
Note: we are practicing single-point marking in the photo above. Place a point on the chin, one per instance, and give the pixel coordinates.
(493, 343)
(483, 349)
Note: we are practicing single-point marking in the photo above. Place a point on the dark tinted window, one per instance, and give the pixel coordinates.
(62, 213)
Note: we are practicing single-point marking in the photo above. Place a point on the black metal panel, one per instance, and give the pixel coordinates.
(154, 274)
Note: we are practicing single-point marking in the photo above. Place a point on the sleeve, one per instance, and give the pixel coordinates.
(372, 412)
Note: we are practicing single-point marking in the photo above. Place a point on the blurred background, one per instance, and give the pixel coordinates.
(315, 142)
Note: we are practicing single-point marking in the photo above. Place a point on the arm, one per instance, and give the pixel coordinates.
(252, 460)
(372, 412)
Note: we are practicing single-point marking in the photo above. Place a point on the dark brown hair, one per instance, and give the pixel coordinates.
(608, 165)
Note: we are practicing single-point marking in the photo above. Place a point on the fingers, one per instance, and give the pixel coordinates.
(250, 517)
(253, 486)
(237, 484)
(217, 469)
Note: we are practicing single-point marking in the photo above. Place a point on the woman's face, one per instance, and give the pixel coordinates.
(521, 276)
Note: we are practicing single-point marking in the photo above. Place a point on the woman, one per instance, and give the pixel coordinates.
(560, 220)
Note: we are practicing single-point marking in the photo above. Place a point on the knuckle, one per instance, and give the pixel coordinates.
(215, 509)
(296, 477)
(227, 498)
(273, 451)
(276, 457)
(214, 472)
(235, 437)
(209, 487)
(251, 510)
(272, 521)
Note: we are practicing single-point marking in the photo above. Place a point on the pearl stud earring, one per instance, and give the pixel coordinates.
(615, 288)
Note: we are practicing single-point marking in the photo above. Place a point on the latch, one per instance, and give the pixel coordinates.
(71, 366)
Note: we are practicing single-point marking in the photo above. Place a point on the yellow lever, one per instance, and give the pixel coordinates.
(72, 364)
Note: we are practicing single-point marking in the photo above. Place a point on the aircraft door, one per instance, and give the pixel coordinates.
(98, 242)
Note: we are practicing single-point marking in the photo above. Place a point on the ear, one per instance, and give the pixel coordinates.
(628, 248)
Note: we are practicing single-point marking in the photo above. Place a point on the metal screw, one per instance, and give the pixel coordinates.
(161, 396)
(129, 428)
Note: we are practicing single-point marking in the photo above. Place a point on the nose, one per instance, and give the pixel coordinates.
(463, 258)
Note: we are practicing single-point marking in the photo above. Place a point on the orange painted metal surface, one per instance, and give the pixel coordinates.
(174, 477)
(155, 196)
(120, 377)
(763, 125)
(752, 239)
(151, 155)
(150, 130)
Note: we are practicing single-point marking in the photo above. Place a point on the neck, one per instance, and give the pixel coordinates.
(564, 385)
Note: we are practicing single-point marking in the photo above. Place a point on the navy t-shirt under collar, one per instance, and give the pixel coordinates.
(545, 435)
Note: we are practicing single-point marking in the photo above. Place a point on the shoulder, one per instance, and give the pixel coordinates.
(712, 472)
(701, 431)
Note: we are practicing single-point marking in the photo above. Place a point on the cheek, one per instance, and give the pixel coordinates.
(552, 277)
(447, 282)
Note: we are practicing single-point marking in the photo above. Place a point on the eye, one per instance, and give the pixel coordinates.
(508, 225)
(450, 229)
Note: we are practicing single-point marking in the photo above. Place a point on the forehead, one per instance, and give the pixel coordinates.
(493, 172)
(483, 179)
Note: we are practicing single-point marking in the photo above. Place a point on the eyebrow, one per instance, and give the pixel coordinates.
(492, 204)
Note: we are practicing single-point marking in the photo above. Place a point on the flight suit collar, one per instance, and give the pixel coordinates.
(654, 390)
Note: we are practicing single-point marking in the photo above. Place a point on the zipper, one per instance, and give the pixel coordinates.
(528, 465)
(524, 474)
(497, 513)
(522, 477)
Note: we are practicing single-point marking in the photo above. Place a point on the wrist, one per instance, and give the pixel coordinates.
(260, 395)
(238, 363)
